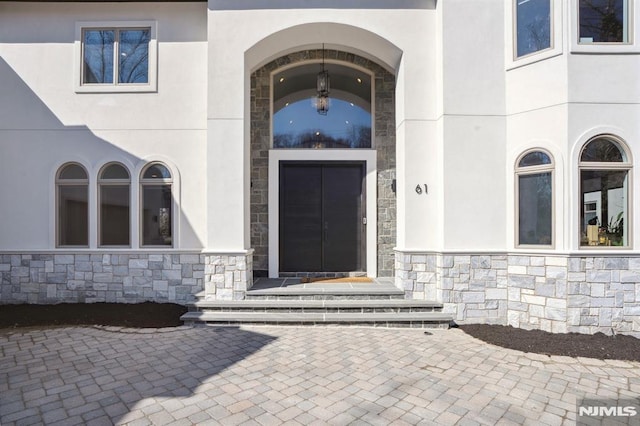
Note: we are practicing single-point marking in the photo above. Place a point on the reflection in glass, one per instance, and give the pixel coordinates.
(133, 56)
(533, 26)
(98, 56)
(156, 171)
(298, 125)
(536, 158)
(604, 207)
(534, 207)
(602, 150)
(603, 21)
(156, 215)
(73, 224)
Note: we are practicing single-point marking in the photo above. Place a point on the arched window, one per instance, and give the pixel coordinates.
(308, 112)
(114, 192)
(604, 193)
(72, 197)
(156, 201)
(534, 175)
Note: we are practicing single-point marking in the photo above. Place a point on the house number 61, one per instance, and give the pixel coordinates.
(419, 189)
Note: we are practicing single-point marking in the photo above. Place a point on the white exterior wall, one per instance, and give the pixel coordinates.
(386, 35)
(44, 123)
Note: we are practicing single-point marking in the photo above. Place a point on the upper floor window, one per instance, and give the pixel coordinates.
(603, 21)
(116, 57)
(114, 191)
(156, 201)
(604, 193)
(534, 174)
(533, 26)
(72, 199)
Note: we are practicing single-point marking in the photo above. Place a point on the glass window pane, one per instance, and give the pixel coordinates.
(133, 56)
(73, 224)
(603, 21)
(534, 209)
(98, 56)
(156, 215)
(604, 207)
(156, 171)
(299, 125)
(534, 159)
(602, 150)
(115, 171)
(533, 26)
(72, 171)
(114, 215)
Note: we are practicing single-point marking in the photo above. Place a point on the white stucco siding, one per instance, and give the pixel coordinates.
(473, 57)
(474, 184)
(604, 78)
(44, 123)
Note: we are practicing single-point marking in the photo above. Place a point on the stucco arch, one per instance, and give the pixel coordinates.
(333, 35)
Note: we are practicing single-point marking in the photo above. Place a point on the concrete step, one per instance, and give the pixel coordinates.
(325, 306)
(414, 319)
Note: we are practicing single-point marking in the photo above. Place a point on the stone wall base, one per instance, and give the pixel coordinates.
(101, 277)
(228, 276)
(570, 293)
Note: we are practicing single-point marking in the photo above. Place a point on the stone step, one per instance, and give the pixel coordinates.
(325, 306)
(363, 293)
(413, 320)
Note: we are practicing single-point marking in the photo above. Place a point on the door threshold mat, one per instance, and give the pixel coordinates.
(336, 280)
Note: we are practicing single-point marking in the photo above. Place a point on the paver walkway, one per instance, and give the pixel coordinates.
(268, 375)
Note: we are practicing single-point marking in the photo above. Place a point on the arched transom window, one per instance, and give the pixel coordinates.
(534, 211)
(322, 106)
(604, 193)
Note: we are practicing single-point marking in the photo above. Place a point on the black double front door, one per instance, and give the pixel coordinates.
(321, 216)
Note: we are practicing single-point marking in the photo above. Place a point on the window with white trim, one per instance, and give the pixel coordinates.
(604, 193)
(72, 206)
(156, 214)
(533, 26)
(114, 195)
(116, 56)
(603, 21)
(534, 175)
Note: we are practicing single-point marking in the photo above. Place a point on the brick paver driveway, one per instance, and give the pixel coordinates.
(268, 375)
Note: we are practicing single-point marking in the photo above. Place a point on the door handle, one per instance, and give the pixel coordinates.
(326, 232)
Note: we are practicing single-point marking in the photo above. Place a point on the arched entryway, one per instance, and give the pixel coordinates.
(341, 152)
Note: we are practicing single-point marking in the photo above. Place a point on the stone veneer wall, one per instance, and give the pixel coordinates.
(228, 276)
(123, 277)
(384, 141)
(585, 294)
(84, 277)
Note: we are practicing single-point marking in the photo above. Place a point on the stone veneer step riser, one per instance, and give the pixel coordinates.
(290, 309)
(381, 324)
(326, 297)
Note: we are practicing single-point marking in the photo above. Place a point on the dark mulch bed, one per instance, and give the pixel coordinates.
(139, 315)
(598, 345)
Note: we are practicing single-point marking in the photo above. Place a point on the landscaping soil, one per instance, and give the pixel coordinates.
(160, 315)
(598, 345)
(138, 315)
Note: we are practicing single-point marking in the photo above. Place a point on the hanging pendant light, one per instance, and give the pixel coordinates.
(322, 87)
